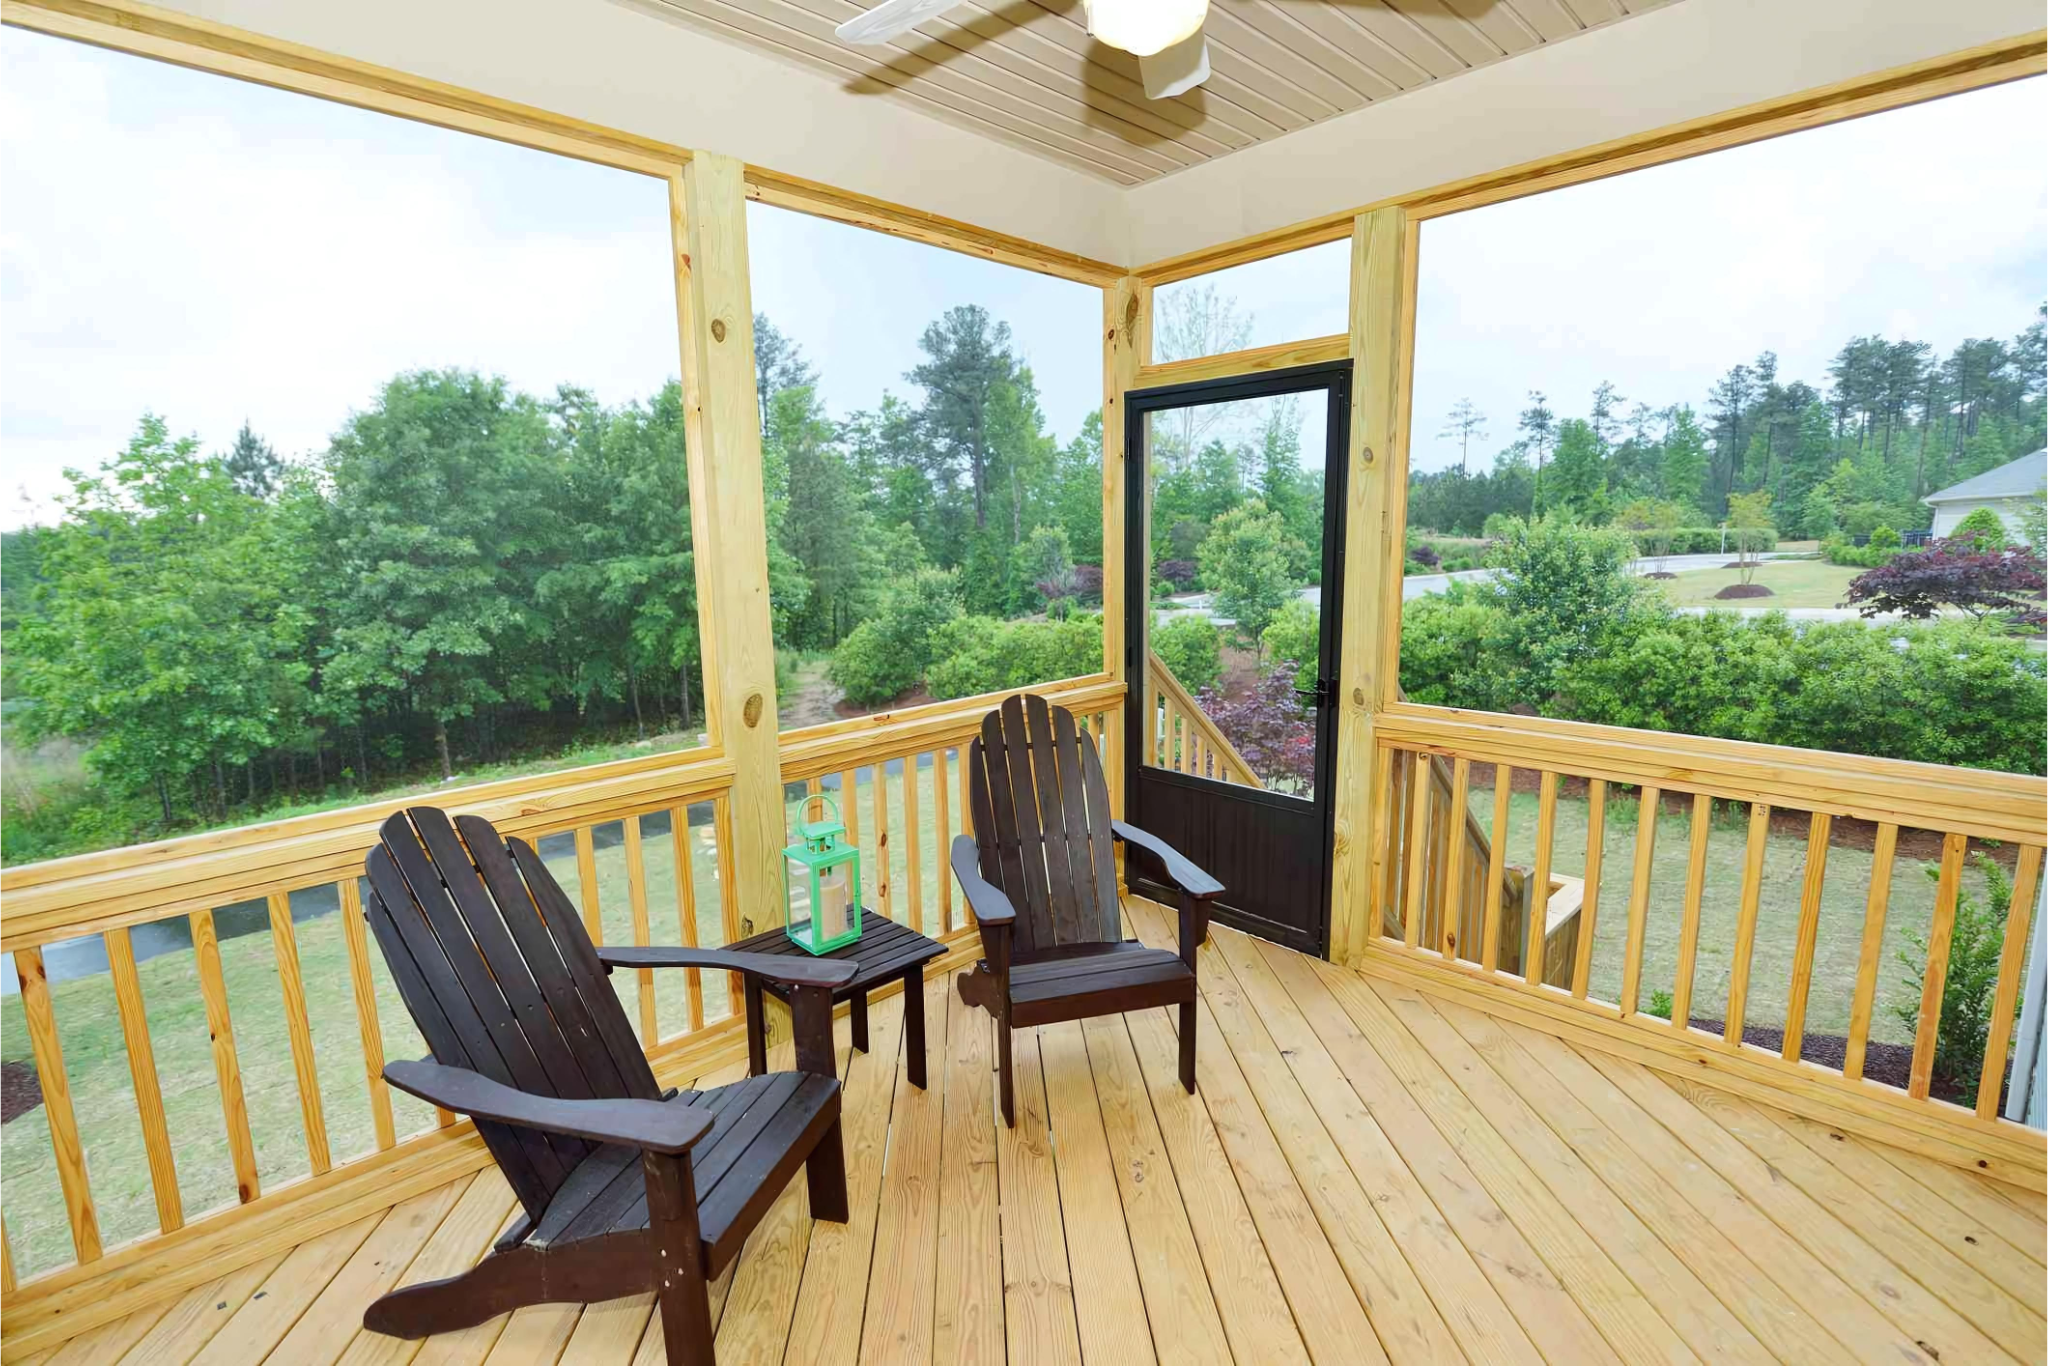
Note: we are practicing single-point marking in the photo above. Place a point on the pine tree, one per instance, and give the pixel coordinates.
(252, 465)
(1464, 423)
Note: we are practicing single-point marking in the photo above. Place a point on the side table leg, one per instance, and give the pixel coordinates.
(913, 1023)
(857, 1016)
(757, 1029)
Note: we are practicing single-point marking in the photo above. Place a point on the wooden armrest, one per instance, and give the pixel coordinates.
(649, 1125)
(790, 969)
(1178, 870)
(990, 906)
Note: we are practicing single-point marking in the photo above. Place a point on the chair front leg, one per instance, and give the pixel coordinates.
(680, 1287)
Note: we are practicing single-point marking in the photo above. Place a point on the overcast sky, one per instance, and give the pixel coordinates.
(212, 251)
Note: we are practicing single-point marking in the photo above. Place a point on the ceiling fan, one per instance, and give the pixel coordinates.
(1164, 35)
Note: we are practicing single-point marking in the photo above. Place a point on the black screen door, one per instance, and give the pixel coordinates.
(1236, 562)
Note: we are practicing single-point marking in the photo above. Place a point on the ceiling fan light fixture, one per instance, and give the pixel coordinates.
(1144, 27)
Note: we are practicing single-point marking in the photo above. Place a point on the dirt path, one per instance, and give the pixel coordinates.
(813, 699)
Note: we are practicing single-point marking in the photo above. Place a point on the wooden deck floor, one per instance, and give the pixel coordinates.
(1367, 1174)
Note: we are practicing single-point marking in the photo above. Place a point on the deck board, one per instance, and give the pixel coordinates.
(1366, 1171)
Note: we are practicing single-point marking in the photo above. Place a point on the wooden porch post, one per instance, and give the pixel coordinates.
(728, 521)
(1126, 345)
(1382, 336)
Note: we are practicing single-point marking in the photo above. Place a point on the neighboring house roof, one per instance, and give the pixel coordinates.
(2020, 478)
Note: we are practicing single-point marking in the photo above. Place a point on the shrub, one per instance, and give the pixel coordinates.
(1839, 551)
(1271, 729)
(1192, 648)
(1295, 636)
(1245, 563)
(1983, 528)
(1088, 583)
(1954, 573)
(1660, 1004)
(1425, 554)
(1450, 643)
(971, 655)
(1562, 588)
(1969, 985)
(1182, 574)
(1713, 540)
(1498, 525)
(1883, 537)
(886, 655)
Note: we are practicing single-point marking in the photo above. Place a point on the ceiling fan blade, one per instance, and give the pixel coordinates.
(1176, 70)
(890, 19)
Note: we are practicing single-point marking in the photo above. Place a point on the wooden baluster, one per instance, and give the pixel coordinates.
(1391, 865)
(643, 935)
(728, 894)
(2012, 961)
(1538, 928)
(943, 824)
(1809, 934)
(227, 1067)
(149, 1097)
(7, 1281)
(1418, 849)
(1745, 921)
(586, 876)
(1589, 910)
(56, 1087)
(1940, 934)
(284, 942)
(878, 789)
(1451, 917)
(1639, 900)
(1689, 923)
(1496, 867)
(364, 987)
(1867, 963)
(913, 877)
(849, 810)
(686, 907)
(966, 806)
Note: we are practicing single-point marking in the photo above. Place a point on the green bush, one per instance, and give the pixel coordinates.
(974, 655)
(1449, 644)
(1984, 527)
(1192, 648)
(886, 655)
(1838, 551)
(1295, 636)
(1498, 525)
(1969, 986)
(1562, 588)
(1712, 540)
(1883, 537)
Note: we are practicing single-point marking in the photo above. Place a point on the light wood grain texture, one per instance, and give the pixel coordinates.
(284, 944)
(2012, 960)
(968, 1319)
(1416, 848)
(350, 898)
(1639, 900)
(1381, 332)
(1934, 976)
(227, 1067)
(1745, 922)
(41, 1021)
(263, 1320)
(1496, 866)
(1869, 957)
(1452, 914)
(1589, 906)
(1539, 878)
(462, 1237)
(1689, 917)
(884, 892)
(149, 1100)
(1255, 361)
(636, 900)
(686, 908)
(903, 1274)
(1808, 936)
(1038, 1288)
(323, 1332)
(722, 423)
(913, 872)
(728, 898)
(942, 829)
(586, 883)
(1126, 346)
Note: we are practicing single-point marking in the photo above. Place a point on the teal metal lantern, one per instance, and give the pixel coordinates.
(822, 882)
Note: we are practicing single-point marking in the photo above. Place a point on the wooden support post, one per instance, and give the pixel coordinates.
(1382, 333)
(1126, 345)
(722, 423)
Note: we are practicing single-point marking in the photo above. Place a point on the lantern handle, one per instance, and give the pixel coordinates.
(804, 826)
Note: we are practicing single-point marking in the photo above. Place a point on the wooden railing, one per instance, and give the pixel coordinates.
(253, 1034)
(1603, 985)
(1184, 739)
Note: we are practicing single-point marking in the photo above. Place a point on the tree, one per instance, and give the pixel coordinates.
(1606, 404)
(252, 465)
(1562, 589)
(1269, 727)
(1683, 472)
(1191, 648)
(1917, 584)
(778, 364)
(1983, 529)
(969, 358)
(1192, 320)
(1245, 565)
(1464, 423)
(1538, 426)
(1749, 515)
(1577, 486)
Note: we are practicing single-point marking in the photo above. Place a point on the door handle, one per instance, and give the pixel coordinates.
(1319, 692)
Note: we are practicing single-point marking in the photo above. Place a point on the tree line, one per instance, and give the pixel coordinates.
(472, 574)
(1890, 422)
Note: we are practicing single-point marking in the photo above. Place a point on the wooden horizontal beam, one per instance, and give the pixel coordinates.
(1257, 360)
(819, 750)
(1975, 802)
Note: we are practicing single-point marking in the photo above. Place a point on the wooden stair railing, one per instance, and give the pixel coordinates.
(1185, 739)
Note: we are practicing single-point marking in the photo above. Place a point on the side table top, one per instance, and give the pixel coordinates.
(884, 950)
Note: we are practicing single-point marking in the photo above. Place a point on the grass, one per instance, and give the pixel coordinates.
(96, 1063)
(1793, 583)
(1844, 893)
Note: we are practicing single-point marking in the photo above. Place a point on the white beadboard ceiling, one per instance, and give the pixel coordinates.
(1026, 71)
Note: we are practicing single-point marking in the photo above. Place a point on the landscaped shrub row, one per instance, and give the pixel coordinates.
(1704, 540)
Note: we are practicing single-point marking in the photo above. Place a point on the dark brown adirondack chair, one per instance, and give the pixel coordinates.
(1040, 875)
(625, 1188)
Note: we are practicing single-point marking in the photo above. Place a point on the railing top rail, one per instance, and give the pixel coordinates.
(1164, 677)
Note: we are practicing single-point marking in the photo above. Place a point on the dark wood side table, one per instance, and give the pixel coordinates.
(885, 952)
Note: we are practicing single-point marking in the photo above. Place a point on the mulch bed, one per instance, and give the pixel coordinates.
(1661, 574)
(21, 1090)
(1745, 590)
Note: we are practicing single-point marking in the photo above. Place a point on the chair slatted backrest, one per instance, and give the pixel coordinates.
(1041, 825)
(500, 976)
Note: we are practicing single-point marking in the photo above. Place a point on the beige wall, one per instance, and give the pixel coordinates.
(1689, 59)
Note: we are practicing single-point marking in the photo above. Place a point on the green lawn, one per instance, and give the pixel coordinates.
(96, 1063)
(1841, 920)
(1793, 583)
